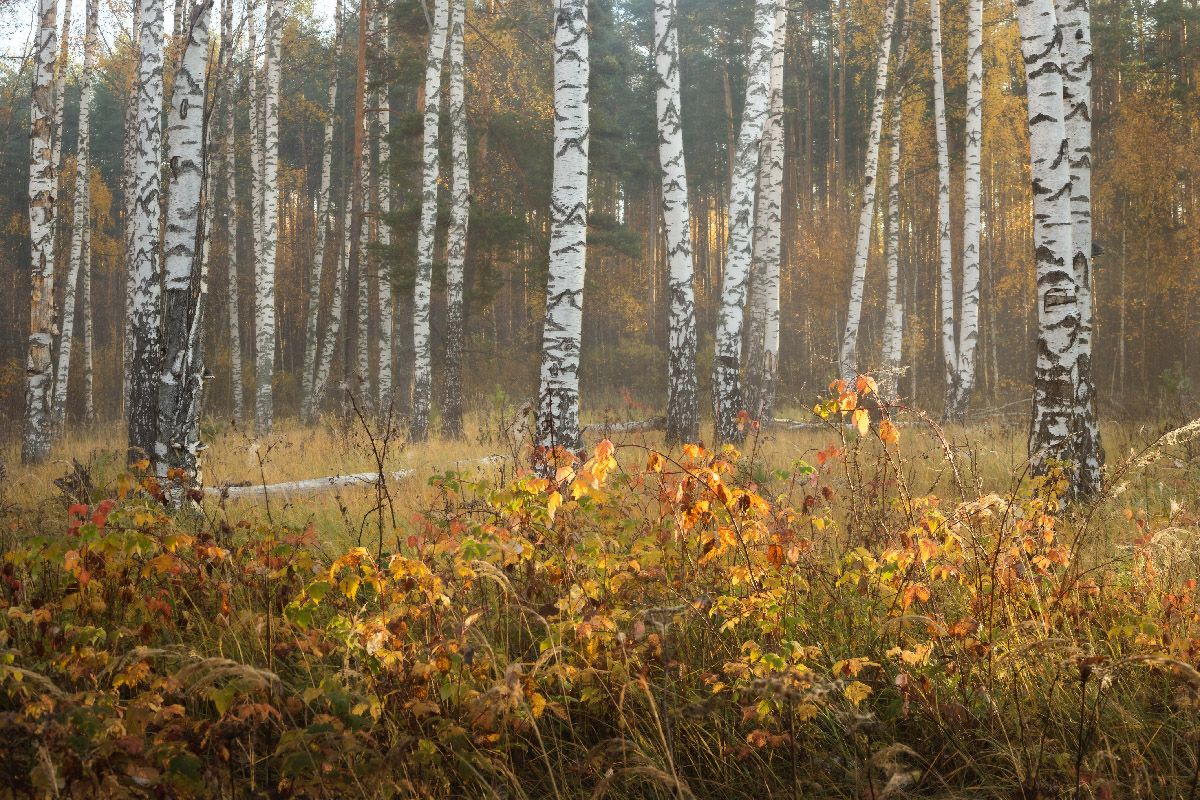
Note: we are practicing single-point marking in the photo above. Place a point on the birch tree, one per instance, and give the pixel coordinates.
(558, 393)
(318, 261)
(145, 271)
(43, 197)
(85, 297)
(893, 329)
(945, 265)
(264, 295)
(231, 230)
(422, 392)
(762, 351)
(683, 397)
(1074, 22)
(81, 218)
(325, 362)
(129, 199)
(726, 377)
(60, 86)
(363, 307)
(383, 208)
(177, 443)
(460, 211)
(1058, 310)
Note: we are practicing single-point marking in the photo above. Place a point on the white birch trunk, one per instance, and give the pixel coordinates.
(129, 203)
(363, 307)
(683, 398)
(314, 282)
(893, 330)
(1058, 309)
(1074, 22)
(726, 378)
(231, 218)
(422, 392)
(146, 273)
(945, 265)
(958, 395)
(325, 362)
(43, 196)
(264, 295)
(85, 298)
(558, 394)
(460, 210)
(762, 350)
(383, 230)
(60, 85)
(866, 212)
(179, 389)
(80, 221)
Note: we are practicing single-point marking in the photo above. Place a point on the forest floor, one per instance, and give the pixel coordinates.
(822, 614)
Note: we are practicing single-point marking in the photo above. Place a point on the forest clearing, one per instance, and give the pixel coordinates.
(599, 398)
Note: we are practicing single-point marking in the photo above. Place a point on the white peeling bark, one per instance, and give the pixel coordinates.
(231, 220)
(85, 298)
(422, 393)
(318, 261)
(945, 265)
(762, 350)
(460, 210)
(82, 215)
(325, 362)
(179, 386)
(142, 410)
(1058, 310)
(726, 377)
(893, 330)
(129, 203)
(683, 397)
(384, 231)
(264, 295)
(1074, 21)
(363, 308)
(60, 85)
(43, 197)
(558, 393)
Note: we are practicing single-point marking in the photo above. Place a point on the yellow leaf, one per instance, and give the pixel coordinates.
(349, 586)
(857, 691)
(862, 421)
(656, 463)
(889, 433)
(553, 502)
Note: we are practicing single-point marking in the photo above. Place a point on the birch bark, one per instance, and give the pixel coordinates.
(893, 331)
(43, 197)
(726, 377)
(146, 270)
(558, 394)
(683, 398)
(945, 265)
(422, 370)
(363, 342)
(231, 219)
(129, 202)
(460, 210)
(85, 297)
(325, 362)
(383, 209)
(264, 296)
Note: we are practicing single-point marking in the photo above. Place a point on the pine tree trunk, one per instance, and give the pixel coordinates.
(866, 212)
(683, 397)
(264, 295)
(945, 265)
(562, 332)
(314, 282)
(422, 392)
(146, 271)
(1058, 311)
(1074, 22)
(893, 332)
(726, 377)
(959, 398)
(231, 218)
(460, 210)
(43, 197)
(179, 390)
(81, 217)
(762, 343)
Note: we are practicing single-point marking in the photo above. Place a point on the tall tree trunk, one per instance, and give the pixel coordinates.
(81, 219)
(323, 216)
(422, 392)
(866, 212)
(726, 377)
(60, 86)
(179, 389)
(363, 307)
(146, 270)
(683, 396)
(945, 265)
(129, 203)
(383, 209)
(562, 332)
(893, 332)
(264, 295)
(460, 211)
(85, 298)
(325, 362)
(253, 107)
(43, 198)
(762, 342)
(1074, 22)
(1058, 311)
(231, 218)
(958, 394)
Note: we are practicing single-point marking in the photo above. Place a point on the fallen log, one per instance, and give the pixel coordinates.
(633, 426)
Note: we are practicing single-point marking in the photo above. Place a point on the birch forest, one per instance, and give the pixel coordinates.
(548, 398)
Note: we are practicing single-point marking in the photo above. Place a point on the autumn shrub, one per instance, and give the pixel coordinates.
(639, 624)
